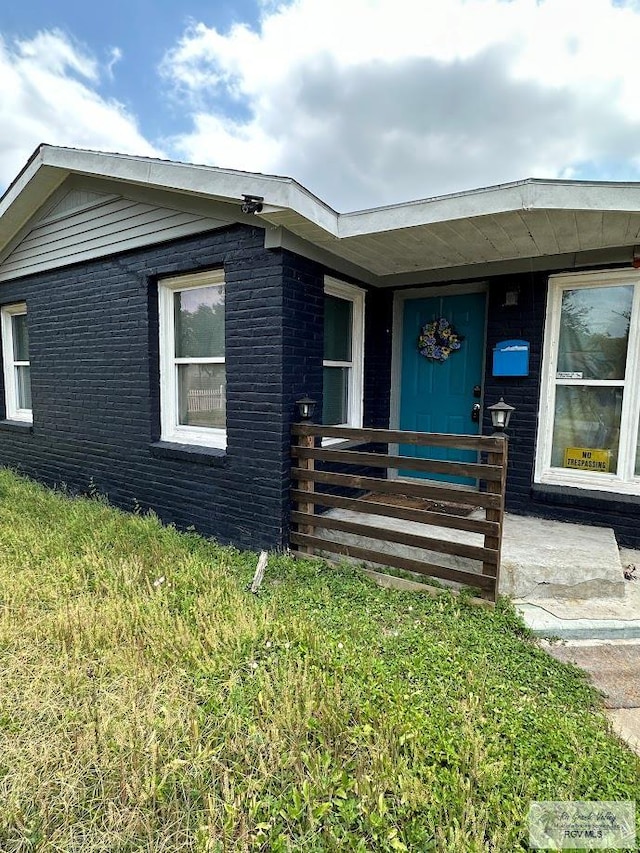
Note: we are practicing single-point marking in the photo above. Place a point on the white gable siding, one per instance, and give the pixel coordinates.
(78, 230)
(73, 202)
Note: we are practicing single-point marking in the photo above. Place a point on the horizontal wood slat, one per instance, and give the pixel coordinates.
(495, 443)
(421, 516)
(441, 546)
(409, 463)
(313, 529)
(394, 487)
(485, 582)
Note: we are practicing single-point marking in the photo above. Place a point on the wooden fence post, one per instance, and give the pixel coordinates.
(494, 487)
(306, 486)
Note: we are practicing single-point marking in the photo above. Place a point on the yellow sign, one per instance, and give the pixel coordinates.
(587, 459)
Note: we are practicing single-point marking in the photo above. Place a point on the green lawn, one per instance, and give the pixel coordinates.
(149, 702)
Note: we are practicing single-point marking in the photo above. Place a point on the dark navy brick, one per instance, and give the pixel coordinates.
(526, 321)
(95, 383)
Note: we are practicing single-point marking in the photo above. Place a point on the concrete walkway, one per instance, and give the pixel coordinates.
(626, 724)
(601, 636)
(614, 669)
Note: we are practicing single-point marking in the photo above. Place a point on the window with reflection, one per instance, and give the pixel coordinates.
(17, 364)
(343, 354)
(192, 359)
(590, 402)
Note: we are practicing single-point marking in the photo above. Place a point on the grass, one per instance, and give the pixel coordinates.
(148, 702)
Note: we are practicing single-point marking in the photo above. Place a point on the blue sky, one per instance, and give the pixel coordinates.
(366, 102)
(143, 30)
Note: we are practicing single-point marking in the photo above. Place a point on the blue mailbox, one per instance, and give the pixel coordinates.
(511, 358)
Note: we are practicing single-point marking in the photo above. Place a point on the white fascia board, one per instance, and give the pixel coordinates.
(204, 181)
(26, 195)
(531, 194)
(439, 209)
(51, 165)
(584, 195)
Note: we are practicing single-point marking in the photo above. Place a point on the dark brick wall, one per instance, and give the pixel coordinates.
(94, 363)
(303, 313)
(377, 358)
(303, 289)
(94, 354)
(526, 321)
(303, 317)
(95, 382)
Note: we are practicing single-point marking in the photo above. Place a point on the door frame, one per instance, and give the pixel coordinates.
(425, 292)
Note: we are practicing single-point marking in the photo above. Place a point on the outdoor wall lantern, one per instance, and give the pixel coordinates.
(500, 415)
(511, 297)
(306, 408)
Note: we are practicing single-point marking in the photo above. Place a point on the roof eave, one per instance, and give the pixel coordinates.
(288, 205)
(50, 166)
(530, 194)
(28, 191)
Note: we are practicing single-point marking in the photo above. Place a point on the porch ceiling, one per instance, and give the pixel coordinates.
(471, 242)
(480, 239)
(505, 236)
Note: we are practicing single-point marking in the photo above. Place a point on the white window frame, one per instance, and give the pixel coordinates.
(624, 481)
(13, 412)
(170, 428)
(355, 392)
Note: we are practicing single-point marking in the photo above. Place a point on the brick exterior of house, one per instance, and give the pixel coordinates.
(96, 402)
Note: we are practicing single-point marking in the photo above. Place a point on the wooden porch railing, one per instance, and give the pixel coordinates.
(307, 498)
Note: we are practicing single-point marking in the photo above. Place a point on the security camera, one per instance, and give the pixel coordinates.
(252, 203)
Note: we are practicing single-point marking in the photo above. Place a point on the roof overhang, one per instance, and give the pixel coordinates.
(524, 225)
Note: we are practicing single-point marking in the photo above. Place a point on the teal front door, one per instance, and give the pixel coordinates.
(439, 396)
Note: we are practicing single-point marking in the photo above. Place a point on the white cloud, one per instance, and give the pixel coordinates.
(115, 55)
(373, 101)
(48, 94)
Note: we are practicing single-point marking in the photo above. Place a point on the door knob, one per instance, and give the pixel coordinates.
(475, 412)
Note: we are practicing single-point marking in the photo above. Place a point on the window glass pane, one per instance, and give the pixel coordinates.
(199, 322)
(587, 419)
(202, 395)
(594, 329)
(23, 387)
(337, 328)
(335, 395)
(20, 337)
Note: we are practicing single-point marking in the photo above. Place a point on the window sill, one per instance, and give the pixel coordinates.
(589, 484)
(582, 497)
(214, 456)
(16, 426)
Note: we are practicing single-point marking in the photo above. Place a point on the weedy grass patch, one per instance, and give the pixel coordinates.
(148, 702)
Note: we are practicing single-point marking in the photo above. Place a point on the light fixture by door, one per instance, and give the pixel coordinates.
(500, 415)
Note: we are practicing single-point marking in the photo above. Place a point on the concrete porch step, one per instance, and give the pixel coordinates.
(540, 558)
(543, 623)
(567, 580)
(553, 559)
(594, 619)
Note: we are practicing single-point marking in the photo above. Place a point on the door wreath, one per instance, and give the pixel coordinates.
(438, 340)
